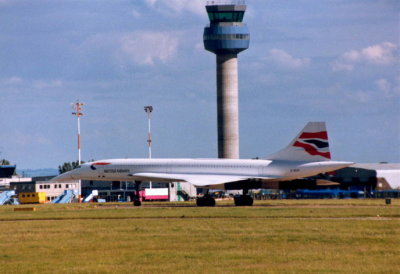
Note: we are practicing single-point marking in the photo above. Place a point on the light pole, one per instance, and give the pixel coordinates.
(78, 108)
(149, 110)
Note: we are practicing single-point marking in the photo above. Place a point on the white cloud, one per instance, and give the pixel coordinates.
(385, 53)
(384, 88)
(145, 48)
(16, 88)
(178, 6)
(151, 2)
(136, 14)
(337, 66)
(126, 48)
(14, 80)
(360, 96)
(285, 60)
(383, 84)
(382, 54)
(389, 89)
(344, 95)
(5, 2)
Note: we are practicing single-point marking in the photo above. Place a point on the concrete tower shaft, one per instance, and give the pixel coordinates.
(227, 106)
(226, 36)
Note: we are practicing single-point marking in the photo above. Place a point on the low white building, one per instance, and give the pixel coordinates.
(5, 182)
(52, 189)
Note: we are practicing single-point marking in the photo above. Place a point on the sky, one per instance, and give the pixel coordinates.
(309, 60)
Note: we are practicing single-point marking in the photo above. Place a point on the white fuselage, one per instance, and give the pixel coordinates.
(262, 170)
(307, 155)
(122, 168)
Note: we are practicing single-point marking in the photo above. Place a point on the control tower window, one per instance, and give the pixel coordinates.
(232, 16)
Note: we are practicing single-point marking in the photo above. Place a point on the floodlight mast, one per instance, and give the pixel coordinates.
(149, 110)
(78, 113)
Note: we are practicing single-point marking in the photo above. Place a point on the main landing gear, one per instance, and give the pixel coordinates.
(206, 200)
(243, 200)
(240, 200)
(136, 198)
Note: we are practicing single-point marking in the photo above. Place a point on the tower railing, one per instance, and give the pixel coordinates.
(225, 2)
(228, 24)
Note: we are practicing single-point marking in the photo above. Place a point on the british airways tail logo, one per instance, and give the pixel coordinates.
(314, 143)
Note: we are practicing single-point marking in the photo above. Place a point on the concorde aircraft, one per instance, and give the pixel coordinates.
(307, 155)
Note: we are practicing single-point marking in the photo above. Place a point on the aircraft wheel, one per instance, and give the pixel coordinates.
(243, 200)
(200, 202)
(211, 202)
(205, 201)
(137, 203)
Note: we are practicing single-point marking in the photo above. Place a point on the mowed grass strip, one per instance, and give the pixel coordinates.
(65, 212)
(199, 240)
(198, 246)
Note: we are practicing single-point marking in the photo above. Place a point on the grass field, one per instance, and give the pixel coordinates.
(345, 236)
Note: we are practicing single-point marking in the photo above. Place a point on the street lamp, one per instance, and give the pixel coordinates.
(149, 110)
(78, 113)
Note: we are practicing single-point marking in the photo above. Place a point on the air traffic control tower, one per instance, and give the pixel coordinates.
(226, 36)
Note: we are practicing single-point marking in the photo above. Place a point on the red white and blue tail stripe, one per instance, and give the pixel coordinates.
(314, 143)
(311, 144)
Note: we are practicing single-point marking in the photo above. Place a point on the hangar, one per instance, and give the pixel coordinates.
(372, 180)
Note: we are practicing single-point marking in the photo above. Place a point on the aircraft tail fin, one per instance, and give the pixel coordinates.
(311, 144)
